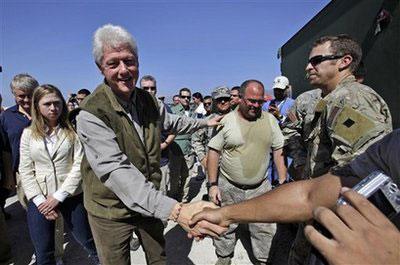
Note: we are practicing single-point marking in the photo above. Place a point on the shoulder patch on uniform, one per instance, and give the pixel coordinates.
(351, 125)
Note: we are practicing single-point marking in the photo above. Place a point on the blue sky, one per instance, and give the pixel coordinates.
(195, 44)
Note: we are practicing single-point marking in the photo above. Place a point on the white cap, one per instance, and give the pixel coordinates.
(281, 82)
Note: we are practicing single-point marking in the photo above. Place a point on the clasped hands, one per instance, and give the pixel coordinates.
(49, 208)
(187, 214)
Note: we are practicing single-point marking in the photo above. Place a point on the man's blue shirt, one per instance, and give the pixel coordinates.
(284, 106)
(12, 124)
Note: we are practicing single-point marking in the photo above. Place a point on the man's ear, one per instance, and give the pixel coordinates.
(345, 62)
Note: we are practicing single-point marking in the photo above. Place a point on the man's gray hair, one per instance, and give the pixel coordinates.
(148, 78)
(24, 82)
(111, 36)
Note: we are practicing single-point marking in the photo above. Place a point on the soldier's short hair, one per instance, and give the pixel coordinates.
(148, 78)
(84, 91)
(341, 45)
(184, 89)
(237, 88)
(246, 83)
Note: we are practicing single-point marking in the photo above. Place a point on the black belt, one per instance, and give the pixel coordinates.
(244, 186)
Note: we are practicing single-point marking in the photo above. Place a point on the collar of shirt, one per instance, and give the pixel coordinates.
(53, 134)
(128, 105)
(51, 139)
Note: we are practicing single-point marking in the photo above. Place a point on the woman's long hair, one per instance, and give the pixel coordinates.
(38, 125)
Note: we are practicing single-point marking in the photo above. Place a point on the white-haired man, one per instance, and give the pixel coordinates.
(119, 126)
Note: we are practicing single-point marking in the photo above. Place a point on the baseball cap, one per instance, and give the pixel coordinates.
(221, 92)
(281, 82)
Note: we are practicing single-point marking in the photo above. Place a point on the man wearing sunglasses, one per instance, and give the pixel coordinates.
(208, 105)
(221, 106)
(349, 117)
(148, 83)
(237, 161)
(182, 156)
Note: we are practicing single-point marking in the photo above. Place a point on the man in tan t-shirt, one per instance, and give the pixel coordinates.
(238, 158)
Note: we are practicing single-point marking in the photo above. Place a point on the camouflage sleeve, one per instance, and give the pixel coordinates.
(292, 132)
(199, 143)
(355, 122)
(179, 124)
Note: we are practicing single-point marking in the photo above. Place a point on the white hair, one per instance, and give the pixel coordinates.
(111, 36)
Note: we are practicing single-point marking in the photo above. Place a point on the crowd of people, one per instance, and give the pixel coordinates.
(116, 164)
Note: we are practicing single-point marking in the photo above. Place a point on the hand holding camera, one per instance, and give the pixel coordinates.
(361, 233)
(274, 110)
(362, 229)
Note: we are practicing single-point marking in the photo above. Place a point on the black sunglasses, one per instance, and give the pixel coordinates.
(187, 97)
(152, 88)
(315, 60)
(207, 104)
(219, 100)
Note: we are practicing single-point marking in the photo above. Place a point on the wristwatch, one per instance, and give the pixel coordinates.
(210, 184)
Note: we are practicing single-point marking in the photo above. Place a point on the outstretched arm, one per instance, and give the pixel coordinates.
(292, 202)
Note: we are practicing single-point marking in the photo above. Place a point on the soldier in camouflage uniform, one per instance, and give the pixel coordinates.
(297, 128)
(182, 157)
(220, 106)
(349, 117)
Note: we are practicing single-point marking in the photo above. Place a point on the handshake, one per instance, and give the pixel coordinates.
(191, 217)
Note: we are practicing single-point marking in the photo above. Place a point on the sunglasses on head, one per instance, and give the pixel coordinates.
(187, 97)
(315, 60)
(151, 88)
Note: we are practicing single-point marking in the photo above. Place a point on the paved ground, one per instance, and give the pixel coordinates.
(180, 250)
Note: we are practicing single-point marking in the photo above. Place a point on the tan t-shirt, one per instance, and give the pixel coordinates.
(245, 146)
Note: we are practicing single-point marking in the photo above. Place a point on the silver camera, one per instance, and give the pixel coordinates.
(381, 191)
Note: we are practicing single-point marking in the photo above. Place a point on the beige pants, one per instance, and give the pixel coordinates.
(260, 234)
